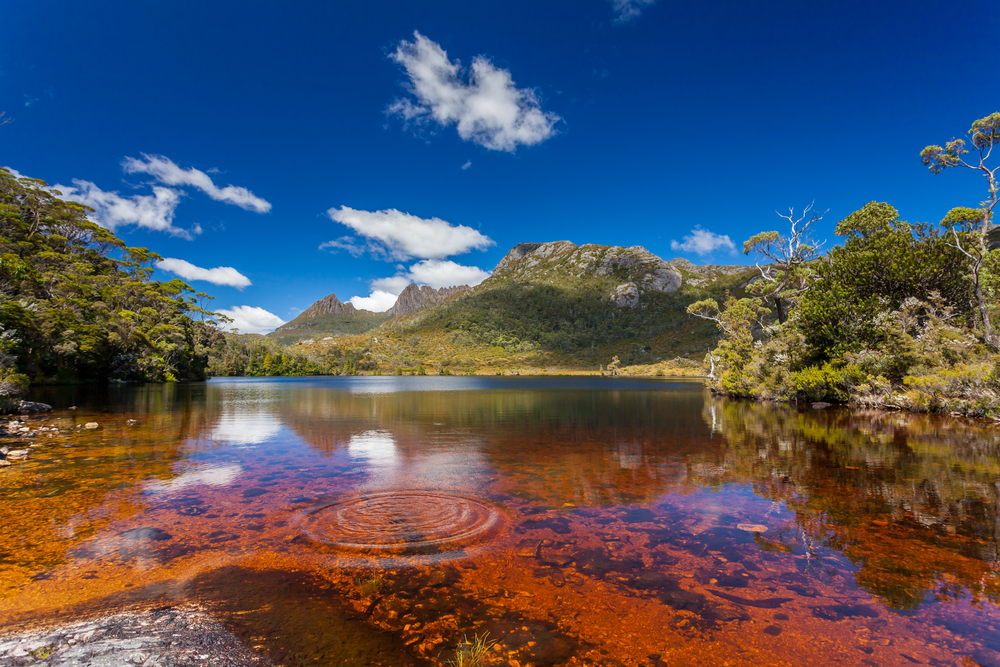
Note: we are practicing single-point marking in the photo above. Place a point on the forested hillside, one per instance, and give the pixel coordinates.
(77, 304)
(558, 305)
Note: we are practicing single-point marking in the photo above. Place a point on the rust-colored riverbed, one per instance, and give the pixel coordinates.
(587, 521)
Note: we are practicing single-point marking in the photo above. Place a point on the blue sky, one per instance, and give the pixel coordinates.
(278, 152)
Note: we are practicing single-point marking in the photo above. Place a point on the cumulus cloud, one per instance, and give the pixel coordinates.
(482, 103)
(627, 10)
(703, 242)
(395, 235)
(165, 171)
(154, 212)
(220, 275)
(467, 164)
(445, 273)
(378, 301)
(433, 272)
(250, 319)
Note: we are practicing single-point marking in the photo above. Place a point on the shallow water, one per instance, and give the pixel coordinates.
(383, 520)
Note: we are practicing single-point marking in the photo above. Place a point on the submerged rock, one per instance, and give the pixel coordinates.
(169, 636)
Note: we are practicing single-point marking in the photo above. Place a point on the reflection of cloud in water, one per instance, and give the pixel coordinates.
(246, 428)
(212, 476)
(376, 447)
(629, 455)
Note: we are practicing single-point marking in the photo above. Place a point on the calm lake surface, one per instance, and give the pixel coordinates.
(380, 520)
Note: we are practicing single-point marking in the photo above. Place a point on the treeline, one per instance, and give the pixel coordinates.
(899, 315)
(257, 356)
(78, 305)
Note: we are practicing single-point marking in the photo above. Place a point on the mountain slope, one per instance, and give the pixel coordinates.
(559, 304)
(414, 298)
(328, 317)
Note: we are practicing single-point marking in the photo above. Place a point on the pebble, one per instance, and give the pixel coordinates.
(91, 425)
(752, 527)
(131, 422)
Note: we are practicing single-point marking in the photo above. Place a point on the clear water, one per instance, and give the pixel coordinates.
(382, 520)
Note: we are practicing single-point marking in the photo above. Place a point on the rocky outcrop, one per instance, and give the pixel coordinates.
(639, 270)
(415, 298)
(328, 305)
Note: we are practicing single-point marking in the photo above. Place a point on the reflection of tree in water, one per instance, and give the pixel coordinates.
(911, 500)
(81, 481)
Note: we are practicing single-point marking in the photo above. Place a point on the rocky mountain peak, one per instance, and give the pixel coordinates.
(415, 298)
(637, 269)
(328, 305)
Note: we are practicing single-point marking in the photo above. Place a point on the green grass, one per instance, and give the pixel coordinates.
(472, 653)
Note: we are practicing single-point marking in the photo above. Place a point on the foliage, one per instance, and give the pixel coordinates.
(974, 240)
(889, 318)
(789, 273)
(77, 304)
(737, 319)
(883, 262)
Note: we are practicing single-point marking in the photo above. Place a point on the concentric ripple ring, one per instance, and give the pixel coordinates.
(403, 522)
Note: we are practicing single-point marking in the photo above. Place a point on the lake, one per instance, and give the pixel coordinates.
(611, 521)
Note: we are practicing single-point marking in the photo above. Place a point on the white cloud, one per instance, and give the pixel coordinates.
(703, 242)
(250, 319)
(377, 302)
(467, 165)
(165, 171)
(434, 272)
(220, 275)
(400, 236)
(445, 273)
(393, 284)
(626, 10)
(348, 243)
(488, 109)
(111, 210)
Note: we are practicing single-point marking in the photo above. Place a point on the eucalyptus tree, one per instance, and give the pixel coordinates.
(787, 275)
(970, 227)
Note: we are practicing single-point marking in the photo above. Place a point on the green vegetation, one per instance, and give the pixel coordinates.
(77, 304)
(555, 308)
(898, 316)
(321, 326)
(370, 585)
(473, 653)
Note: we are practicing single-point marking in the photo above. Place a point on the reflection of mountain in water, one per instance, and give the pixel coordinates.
(554, 447)
(911, 500)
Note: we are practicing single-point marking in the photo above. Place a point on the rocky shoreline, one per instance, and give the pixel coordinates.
(164, 637)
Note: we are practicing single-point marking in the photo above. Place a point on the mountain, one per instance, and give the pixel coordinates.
(561, 305)
(328, 317)
(414, 298)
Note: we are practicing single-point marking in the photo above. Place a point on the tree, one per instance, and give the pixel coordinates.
(737, 319)
(883, 262)
(969, 227)
(785, 280)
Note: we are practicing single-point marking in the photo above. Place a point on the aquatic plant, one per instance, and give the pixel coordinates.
(370, 585)
(472, 653)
